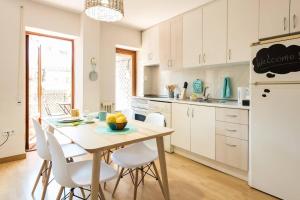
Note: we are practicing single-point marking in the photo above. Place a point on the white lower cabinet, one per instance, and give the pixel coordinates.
(232, 152)
(194, 129)
(203, 131)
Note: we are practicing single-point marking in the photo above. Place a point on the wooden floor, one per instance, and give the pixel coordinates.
(188, 181)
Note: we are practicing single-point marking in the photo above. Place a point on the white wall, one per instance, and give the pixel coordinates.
(112, 36)
(12, 115)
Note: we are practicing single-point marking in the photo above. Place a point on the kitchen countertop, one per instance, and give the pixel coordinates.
(227, 104)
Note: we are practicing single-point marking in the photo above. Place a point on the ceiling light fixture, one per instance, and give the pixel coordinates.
(105, 10)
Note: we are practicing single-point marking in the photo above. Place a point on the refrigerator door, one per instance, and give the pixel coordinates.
(275, 140)
(275, 62)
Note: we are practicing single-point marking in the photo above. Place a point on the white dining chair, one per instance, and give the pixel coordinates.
(75, 174)
(69, 150)
(139, 157)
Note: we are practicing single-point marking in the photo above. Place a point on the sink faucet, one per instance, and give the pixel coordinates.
(205, 94)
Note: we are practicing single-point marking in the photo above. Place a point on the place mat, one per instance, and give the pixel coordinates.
(106, 130)
(57, 123)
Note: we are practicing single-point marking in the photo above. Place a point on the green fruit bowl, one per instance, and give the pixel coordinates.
(117, 126)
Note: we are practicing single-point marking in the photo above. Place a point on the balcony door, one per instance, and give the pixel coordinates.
(49, 78)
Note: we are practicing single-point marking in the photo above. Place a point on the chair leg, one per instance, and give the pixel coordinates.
(44, 175)
(82, 192)
(102, 197)
(46, 181)
(142, 175)
(158, 178)
(118, 181)
(136, 182)
(60, 193)
(71, 194)
(38, 176)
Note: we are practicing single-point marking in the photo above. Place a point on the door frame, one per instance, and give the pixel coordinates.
(27, 34)
(134, 66)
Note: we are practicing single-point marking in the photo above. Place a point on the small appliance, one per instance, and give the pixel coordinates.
(243, 94)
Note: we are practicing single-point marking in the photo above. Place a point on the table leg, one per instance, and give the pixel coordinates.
(95, 175)
(163, 166)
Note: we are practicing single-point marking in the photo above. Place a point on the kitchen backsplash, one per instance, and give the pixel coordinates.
(156, 79)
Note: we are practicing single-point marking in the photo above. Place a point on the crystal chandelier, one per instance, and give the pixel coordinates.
(105, 10)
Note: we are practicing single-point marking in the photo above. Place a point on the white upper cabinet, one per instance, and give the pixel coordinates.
(203, 131)
(242, 29)
(274, 18)
(170, 43)
(150, 46)
(214, 32)
(192, 38)
(295, 16)
(165, 44)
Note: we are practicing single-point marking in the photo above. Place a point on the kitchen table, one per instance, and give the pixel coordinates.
(89, 138)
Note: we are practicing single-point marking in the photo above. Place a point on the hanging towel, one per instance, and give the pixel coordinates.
(226, 92)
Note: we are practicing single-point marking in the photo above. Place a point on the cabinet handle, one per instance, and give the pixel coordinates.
(231, 145)
(204, 58)
(169, 63)
(294, 21)
(231, 130)
(233, 116)
(284, 23)
(229, 54)
(193, 113)
(199, 58)
(188, 112)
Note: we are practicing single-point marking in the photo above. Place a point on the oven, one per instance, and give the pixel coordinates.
(140, 108)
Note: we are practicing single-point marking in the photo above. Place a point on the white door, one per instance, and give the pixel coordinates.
(295, 16)
(275, 62)
(214, 32)
(274, 18)
(275, 140)
(176, 42)
(181, 124)
(242, 29)
(165, 44)
(192, 38)
(203, 131)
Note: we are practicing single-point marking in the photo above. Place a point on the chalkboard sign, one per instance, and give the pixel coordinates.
(277, 59)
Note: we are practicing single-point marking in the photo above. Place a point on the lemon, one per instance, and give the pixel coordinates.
(121, 119)
(111, 118)
(119, 114)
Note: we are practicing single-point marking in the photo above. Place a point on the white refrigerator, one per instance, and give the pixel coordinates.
(275, 118)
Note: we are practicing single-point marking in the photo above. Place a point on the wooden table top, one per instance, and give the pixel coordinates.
(88, 137)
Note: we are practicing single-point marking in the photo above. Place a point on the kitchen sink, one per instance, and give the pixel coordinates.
(212, 101)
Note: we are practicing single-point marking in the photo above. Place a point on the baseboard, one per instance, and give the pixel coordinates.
(213, 164)
(13, 158)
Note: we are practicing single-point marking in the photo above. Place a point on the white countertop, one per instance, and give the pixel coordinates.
(227, 104)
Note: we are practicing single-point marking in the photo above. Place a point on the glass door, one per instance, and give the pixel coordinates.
(49, 80)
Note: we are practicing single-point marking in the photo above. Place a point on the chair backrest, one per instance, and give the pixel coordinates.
(156, 119)
(59, 163)
(41, 141)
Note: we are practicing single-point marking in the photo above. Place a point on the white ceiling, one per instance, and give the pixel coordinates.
(140, 14)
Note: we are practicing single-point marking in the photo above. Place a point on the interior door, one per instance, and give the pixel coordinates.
(181, 124)
(295, 16)
(192, 38)
(275, 139)
(203, 131)
(274, 18)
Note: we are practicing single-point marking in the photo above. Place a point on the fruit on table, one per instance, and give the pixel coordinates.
(111, 118)
(121, 119)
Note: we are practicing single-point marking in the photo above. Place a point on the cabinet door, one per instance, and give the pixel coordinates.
(150, 46)
(165, 44)
(203, 131)
(181, 125)
(274, 18)
(295, 16)
(192, 38)
(176, 43)
(242, 29)
(214, 32)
